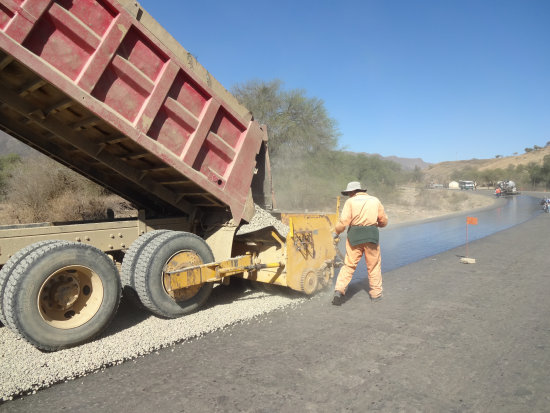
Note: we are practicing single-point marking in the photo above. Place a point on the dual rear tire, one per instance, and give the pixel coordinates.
(164, 252)
(58, 294)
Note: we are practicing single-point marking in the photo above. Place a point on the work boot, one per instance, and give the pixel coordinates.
(338, 298)
(376, 299)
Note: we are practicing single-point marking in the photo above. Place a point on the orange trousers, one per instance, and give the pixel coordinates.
(374, 267)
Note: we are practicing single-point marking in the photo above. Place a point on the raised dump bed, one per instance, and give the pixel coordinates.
(101, 87)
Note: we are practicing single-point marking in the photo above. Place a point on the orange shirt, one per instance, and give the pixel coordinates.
(362, 210)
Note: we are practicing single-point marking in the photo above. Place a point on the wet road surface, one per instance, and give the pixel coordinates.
(406, 244)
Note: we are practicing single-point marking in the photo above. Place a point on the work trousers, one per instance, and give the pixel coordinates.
(374, 267)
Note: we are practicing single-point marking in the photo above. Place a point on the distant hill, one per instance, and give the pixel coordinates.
(442, 171)
(408, 164)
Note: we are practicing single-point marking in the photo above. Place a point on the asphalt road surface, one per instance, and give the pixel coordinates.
(447, 337)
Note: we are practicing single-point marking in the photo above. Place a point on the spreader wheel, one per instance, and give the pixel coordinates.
(309, 281)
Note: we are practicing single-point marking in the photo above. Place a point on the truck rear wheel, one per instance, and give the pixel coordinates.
(164, 253)
(13, 262)
(127, 272)
(62, 294)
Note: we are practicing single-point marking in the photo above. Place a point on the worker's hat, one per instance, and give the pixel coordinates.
(353, 186)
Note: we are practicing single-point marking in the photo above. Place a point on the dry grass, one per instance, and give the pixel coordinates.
(41, 190)
(440, 200)
(45, 191)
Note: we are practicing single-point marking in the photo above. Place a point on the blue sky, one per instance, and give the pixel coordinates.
(439, 80)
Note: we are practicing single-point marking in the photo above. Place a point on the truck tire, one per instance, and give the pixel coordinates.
(8, 267)
(62, 294)
(129, 265)
(160, 254)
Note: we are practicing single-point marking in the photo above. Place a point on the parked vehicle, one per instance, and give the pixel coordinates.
(466, 185)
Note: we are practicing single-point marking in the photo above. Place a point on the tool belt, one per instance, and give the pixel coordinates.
(361, 234)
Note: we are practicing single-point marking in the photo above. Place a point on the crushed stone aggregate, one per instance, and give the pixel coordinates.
(25, 369)
(263, 219)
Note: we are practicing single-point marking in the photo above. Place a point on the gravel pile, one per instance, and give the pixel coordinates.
(134, 333)
(262, 219)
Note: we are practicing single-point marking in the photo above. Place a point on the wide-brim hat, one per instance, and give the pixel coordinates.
(352, 187)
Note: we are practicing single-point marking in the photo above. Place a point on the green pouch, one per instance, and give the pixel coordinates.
(359, 235)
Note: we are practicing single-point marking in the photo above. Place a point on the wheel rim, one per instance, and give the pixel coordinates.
(70, 297)
(179, 261)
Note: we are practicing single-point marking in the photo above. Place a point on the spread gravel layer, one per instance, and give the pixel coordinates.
(134, 333)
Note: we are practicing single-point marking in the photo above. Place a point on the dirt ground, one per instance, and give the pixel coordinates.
(419, 204)
(447, 337)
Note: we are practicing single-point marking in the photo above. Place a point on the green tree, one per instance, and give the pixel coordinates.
(308, 169)
(545, 171)
(296, 123)
(468, 173)
(489, 177)
(539, 174)
(417, 175)
(302, 138)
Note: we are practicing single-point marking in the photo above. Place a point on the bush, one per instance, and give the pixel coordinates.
(42, 190)
(429, 199)
(7, 163)
(313, 181)
(436, 200)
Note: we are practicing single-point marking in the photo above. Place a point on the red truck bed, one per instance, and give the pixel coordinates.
(99, 86)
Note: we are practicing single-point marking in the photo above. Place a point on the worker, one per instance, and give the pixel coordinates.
(497, 192)
(363, 214)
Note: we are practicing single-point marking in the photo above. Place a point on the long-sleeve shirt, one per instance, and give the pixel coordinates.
(363, 209)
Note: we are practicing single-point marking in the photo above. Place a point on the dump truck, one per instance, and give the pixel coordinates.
(102, 88)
